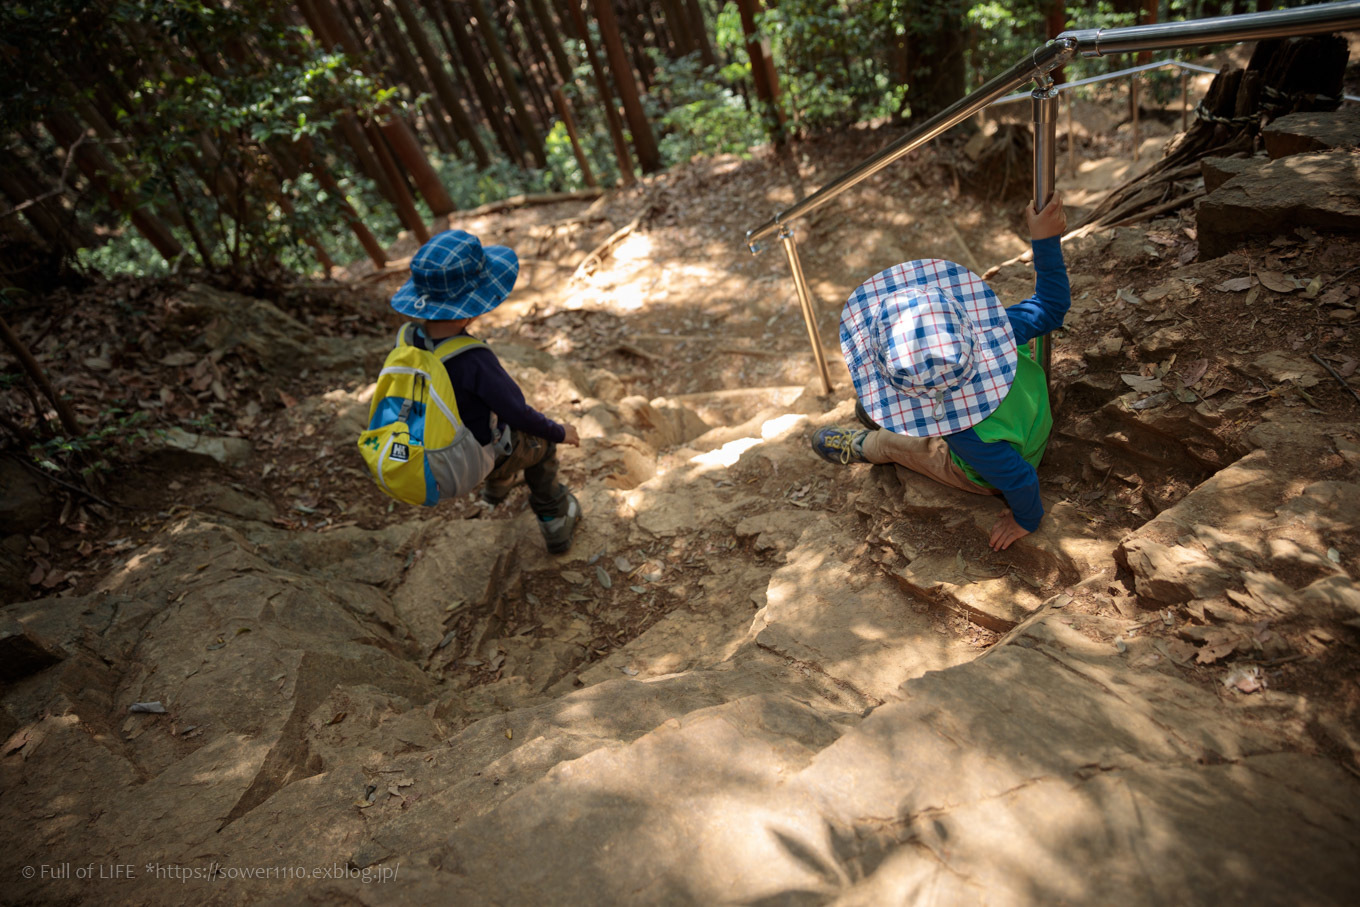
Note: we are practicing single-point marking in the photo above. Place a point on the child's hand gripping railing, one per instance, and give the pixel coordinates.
(1317, 19)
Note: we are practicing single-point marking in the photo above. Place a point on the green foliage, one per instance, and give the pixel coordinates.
(95, 451)
(702, 115)
(217, 134)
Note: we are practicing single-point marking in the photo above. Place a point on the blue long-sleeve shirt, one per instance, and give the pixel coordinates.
(999, 463)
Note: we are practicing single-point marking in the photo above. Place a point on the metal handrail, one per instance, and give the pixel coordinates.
(1131, 71)
(1087, 43)
(1043, 61)
(1323, 17)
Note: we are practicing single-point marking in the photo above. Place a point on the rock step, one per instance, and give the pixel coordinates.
(1052, 769)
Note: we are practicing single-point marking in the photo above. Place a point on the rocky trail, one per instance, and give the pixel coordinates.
(757, 677)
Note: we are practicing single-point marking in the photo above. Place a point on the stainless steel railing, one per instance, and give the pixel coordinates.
(1323, 17)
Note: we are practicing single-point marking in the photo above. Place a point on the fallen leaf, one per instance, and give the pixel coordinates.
(147, 708)
(1254, 295)
(1280, 283)
(1212, 652)
(603, 577)
(337, 718)
(509, 735)
(1194, 371)
(1235, 285)
(1314, 287)
(182, 357)
(288, 400)
(1141, 384)
(1126, 294)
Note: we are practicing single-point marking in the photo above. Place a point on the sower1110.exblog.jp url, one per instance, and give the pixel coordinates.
(210, 872)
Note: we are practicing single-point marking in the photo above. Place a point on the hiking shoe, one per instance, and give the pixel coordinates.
(840, 445)
(863, 416)
(493, 496)
(557, 532)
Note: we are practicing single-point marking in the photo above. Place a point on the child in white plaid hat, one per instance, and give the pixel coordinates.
(936, 365)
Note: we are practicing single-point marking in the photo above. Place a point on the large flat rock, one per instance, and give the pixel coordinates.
(1301, 133)
(1271, 197)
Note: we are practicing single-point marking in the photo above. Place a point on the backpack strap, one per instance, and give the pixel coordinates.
(456, 345)
(409, 335)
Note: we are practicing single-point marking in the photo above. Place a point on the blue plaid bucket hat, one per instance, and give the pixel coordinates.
(453, 276)
(929, 346)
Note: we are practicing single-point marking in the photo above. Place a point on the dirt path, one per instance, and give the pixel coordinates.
(757, 675)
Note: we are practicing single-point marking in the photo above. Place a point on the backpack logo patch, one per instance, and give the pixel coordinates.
(401, 452)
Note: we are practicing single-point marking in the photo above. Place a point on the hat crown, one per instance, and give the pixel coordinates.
(923, 342)
(447, 263)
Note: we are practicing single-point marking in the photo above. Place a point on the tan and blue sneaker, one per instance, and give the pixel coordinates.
(840, 445)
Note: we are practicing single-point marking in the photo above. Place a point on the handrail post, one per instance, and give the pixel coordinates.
(805, 302)
(1044, 102)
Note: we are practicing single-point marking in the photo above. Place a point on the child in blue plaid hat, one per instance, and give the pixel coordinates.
(454, 279)
(936, 363)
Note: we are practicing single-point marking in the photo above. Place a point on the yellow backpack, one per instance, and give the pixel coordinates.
(416, 446)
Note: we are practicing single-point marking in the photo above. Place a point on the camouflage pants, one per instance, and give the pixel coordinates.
(537, 458)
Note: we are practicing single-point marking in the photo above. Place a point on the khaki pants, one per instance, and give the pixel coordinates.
(928, 456)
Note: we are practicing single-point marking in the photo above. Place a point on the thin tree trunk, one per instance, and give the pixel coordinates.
(102, 174)
(762, 70)
(548, 28)
(540, 73)
(699, 29)
(404, 145)
(631, 27)
(434, 67)
(493, 42)
(677, 21)
(493, 109)
(46, 219)
(564, 111)
(35, 371)
(406, 70)
(643, 139)
(606, 96)
(404, 202)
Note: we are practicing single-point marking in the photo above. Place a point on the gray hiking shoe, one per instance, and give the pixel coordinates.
(557, 532)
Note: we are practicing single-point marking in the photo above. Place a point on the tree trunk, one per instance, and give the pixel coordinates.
(762, 70)
(540, 72)
(548, 28)
(404, 202)
(677, 20)
(102, 174)
(492, 106)
(611, 113)
(633, 26)
(530, 135)
(46, 217)
(564, 111)
(35, 371)
(935, 47)
(1055, 21)
(439, 76)
(699, 29)
(326, 20)
(643, 139)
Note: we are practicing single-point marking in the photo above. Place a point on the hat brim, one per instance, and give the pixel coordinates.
(490, 288)
(966, 404)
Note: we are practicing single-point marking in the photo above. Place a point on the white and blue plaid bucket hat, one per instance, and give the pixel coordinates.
(929, 346)
(453, 276)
